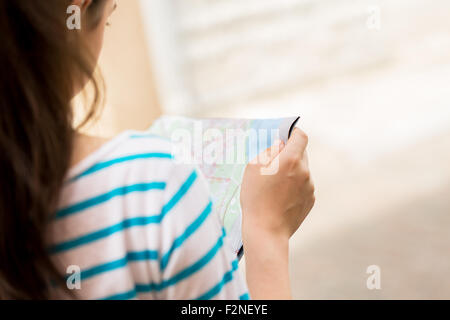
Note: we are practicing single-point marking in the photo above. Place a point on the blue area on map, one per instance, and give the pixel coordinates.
(265, 132)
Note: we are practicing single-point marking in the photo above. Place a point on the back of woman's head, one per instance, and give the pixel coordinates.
(43, 64)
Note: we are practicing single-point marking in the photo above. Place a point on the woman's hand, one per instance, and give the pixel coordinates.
(277, 194)
(277, 191)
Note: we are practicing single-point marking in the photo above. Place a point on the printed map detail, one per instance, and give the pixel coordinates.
(222, 148)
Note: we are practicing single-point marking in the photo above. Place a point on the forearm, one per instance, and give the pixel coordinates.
(267, 266)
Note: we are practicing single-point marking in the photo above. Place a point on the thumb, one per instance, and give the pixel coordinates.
(268, 155)
(297, 143)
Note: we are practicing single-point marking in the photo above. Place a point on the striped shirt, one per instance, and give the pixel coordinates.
(139, 225)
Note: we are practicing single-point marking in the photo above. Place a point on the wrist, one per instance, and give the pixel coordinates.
(267, 264)
(258, 226)
(254, 237)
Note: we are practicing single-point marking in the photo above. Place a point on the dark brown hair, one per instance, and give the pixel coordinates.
(41, 63)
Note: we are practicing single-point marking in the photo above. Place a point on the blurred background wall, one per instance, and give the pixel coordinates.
(370, 79)
(131, 98)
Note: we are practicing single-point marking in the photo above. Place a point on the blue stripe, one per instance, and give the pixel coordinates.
(180, 193)
(103, 233)
(126, 224)
(186, 272)
(245, 296)
(106, 164)
(147, 135)
(119, 263)
(189, 271)
(134, 256)
(218, 287)
(121, 191)
(186, 234)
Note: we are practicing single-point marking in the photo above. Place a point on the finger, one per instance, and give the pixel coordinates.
(267, 156)
(305, 159)
(297, 143)
(274, 151)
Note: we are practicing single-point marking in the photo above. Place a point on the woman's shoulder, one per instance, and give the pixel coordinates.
(133, 173)
(137, 164)
(130, 150)
(134, 169)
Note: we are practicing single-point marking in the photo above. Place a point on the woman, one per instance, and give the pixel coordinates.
(136, 223)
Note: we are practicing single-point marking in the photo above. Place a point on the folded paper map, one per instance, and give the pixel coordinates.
(222, 148)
